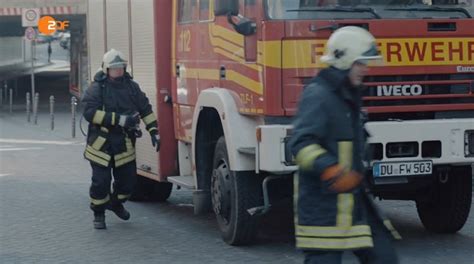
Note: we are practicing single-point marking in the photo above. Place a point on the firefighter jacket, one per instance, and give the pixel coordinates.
(328, 131)
(104, 101)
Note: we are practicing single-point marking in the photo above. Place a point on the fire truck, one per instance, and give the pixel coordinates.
(225, 76)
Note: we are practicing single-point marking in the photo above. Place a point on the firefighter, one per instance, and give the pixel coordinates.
(49, 51)
(333, 213)
(113, 106)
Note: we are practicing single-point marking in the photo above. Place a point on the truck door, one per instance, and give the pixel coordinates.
(187, 46)
(208, 58)
(187, 66)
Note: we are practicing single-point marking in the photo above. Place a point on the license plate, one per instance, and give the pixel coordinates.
(407, 168)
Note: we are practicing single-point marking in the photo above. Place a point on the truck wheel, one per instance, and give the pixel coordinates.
(149, 190)
(232, 194)
(142, 189)
(449, 206)
(161, 191)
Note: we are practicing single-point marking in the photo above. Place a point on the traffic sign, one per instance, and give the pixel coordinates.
(30, 17)
(30, 33)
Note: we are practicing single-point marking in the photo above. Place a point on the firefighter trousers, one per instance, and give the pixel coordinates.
(383, 251)
(124, 182)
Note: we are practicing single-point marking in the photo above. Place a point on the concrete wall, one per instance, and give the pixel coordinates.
(13, 50)
(79, 4)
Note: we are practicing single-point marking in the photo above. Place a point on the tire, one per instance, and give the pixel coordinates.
(148, 190)
(449, 207)
(161, 191)
(141, 190)
(232, 194)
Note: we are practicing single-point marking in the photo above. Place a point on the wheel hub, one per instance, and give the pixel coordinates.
(221, 191)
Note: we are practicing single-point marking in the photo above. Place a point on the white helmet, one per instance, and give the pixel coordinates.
(348, 45)
(113, 59)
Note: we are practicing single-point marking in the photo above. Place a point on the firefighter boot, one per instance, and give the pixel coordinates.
(99, 220)
(119, 210)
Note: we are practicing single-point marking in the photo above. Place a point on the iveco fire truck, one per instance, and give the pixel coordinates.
(225, 78)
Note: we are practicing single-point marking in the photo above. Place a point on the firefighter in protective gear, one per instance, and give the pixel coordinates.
(113, 106)
(333, 213)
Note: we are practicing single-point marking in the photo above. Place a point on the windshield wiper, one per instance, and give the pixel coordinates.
(433, 8)
(338, 9)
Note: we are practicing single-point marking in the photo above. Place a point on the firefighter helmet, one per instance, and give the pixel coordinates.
(113, 59)
(348, 45)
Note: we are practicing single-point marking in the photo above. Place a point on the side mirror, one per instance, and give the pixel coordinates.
(244, 26)
(226, 7)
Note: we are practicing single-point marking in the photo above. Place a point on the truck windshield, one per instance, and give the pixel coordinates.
(368, 9)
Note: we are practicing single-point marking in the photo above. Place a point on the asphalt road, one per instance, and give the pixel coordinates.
(44, 215)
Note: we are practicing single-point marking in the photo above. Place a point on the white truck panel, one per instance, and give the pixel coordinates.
(271, 149)
(144, 72)
(96, 37)
(129, 29)
(117, 26)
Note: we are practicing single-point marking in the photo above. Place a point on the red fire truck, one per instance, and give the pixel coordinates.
(225, 77)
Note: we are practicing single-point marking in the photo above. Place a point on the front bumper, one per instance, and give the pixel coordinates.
(453, 136)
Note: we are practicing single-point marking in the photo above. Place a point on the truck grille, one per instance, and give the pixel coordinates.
(419, 93)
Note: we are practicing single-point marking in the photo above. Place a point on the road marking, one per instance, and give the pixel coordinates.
(17, 149)
(48, 142)
(5, 174)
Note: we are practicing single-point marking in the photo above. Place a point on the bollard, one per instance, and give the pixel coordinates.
(11, 101)
(73, 117)
(51, 110)
(5, 94)
(5, 91)
(28, 107)
(35, 108)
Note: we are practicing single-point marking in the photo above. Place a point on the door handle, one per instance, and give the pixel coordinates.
(222, 72)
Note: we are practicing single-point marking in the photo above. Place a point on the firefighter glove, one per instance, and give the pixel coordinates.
(155, 140)
(340, 179)
(129, 121)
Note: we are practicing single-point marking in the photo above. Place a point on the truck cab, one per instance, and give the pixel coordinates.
(259, 54)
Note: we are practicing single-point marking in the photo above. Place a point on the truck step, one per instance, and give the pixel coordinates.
(183, 181)
(248, 151)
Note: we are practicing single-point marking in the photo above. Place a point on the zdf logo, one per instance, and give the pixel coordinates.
(48, 25)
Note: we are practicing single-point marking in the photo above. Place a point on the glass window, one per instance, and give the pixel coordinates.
(250, 8)
(186, 10)
(204, 14)
(368, 9)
